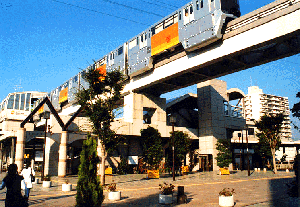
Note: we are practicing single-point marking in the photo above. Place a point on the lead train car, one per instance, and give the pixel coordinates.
(195, 25)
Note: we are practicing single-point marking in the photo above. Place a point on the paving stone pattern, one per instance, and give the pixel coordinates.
(258, 189)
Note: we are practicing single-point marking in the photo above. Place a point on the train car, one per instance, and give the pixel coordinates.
(18, 105)
(195, 25)
(116, 59)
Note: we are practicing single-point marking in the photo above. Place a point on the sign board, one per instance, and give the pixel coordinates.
(133, 160)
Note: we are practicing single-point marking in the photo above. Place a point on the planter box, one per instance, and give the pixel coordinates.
(153, 173)
(224, 171)
(46, 184)
(165, 199)
(114, 195)
(66, 187)
(226, 201)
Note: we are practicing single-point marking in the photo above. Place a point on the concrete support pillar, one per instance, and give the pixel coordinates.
(101, 167)
(62, 163)
(1, 157)
(211, 97)
(20, 148)
(12, 150)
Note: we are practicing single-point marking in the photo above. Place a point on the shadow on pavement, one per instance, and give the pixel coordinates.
(278, 191)
(33, 201)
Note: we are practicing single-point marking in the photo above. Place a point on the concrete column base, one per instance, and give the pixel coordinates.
(20, 148)
(62, 163)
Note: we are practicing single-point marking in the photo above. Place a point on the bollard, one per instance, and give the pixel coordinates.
(181, 197)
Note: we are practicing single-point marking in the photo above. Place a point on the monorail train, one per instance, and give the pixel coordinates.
(193, 26)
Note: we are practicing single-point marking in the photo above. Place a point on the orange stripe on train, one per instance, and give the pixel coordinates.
(165, 39)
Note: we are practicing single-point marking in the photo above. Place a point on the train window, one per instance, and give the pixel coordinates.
(169, 22)
(22, 101)
(212, 0)
(143, 42)
(201, 3)
(153, 31)
(120, 50)
(197, 5)
(179, 15)
(27, 101)
(159, 27)
(137, 41)
(132, 43)
(10, 104)
(189, 15)
(17, 100)
(191, 9)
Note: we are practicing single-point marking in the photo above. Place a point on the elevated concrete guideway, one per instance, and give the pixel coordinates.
(264, 35)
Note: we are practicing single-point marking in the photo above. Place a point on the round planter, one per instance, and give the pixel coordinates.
(114, 196)
(165, 199)
(66, 187)
(226, 201)
(46, 184)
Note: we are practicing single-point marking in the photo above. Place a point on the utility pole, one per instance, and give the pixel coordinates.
(173, 121)
(248, 166)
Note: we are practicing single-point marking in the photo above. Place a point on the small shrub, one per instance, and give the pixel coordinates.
(226, 192)
(166, 189)
(112, 187)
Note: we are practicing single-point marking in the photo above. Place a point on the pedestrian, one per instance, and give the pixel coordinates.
(12, 182)
(27, 173)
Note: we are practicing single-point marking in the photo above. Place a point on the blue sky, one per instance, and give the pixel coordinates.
(44, 43)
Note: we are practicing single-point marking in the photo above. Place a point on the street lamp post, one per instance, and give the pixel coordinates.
(248, 166)
(239, 135)
(173, 121)
(46, 117)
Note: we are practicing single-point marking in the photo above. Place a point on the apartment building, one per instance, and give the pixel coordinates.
(258, 104)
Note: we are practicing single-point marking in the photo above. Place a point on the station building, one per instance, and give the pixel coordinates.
(206, 116)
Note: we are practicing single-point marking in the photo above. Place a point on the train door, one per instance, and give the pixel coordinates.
(111, 59)
(188, 14)
(143, 42)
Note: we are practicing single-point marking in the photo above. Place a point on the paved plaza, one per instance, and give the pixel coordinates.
(201, 188)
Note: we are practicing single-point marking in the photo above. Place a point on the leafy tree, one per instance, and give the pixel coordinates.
(296, 111)
(224, 156)
(152, 147)
(269, 127)
(89, 190)
(263, 150)
(98, 102)
(182, 145)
